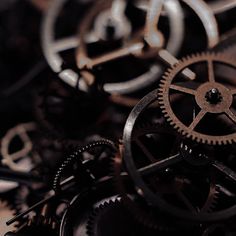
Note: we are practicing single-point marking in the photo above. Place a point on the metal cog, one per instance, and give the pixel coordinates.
(211, 201)
(197, 177)
(114, 212)
(132, 202)
(75, 157)
(211, 97)
(6, 213)
(98, 212)
(142, 216)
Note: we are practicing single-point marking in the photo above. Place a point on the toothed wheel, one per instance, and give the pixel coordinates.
(189, 172)
(89, 159)
(112, 212)
(204, 110)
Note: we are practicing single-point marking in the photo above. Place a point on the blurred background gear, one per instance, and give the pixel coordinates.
(117, 117)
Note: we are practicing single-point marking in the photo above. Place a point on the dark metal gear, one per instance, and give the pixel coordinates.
(89, 156)
(192, 155)
(113, 213)
(150, 171)
(76, 216)
(206, 111)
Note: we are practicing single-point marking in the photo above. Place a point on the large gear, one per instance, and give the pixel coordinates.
(190, 154)
(198, 170)
(209, 95)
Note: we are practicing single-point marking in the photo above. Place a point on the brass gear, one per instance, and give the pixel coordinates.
(212, 98)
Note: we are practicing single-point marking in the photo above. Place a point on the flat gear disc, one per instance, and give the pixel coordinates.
(212, 98)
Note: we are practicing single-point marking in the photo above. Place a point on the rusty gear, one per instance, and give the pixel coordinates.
(212, 99)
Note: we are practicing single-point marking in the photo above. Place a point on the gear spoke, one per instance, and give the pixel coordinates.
(183, 89)
(231, 115)
(197, 119)
(71, 42)
(185, 200)
(154, 167)
(211, 73)
(146, 151)
(225, 170)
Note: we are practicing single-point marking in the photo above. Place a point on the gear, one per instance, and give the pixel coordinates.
(156, 168)
(191, 155)
(209, 96)
(150, 131)
(113, 212)
(6, 213)
(77, 157)
(106, 212)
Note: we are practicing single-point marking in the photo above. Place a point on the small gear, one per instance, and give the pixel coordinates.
(77, 157)
(209, 96)
(113, 212)
(104, 214)
(6, 213)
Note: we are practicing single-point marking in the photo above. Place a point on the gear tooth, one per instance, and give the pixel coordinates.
(168, 118)
(188, 135)
(177, 128)
(190, 57)
(195, 138)
(165, 75)
(202, 54)
(91, 223)
(211, 142)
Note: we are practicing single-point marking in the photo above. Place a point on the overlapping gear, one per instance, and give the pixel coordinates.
(118, 117)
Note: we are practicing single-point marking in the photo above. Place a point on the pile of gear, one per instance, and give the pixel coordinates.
(118, 117)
